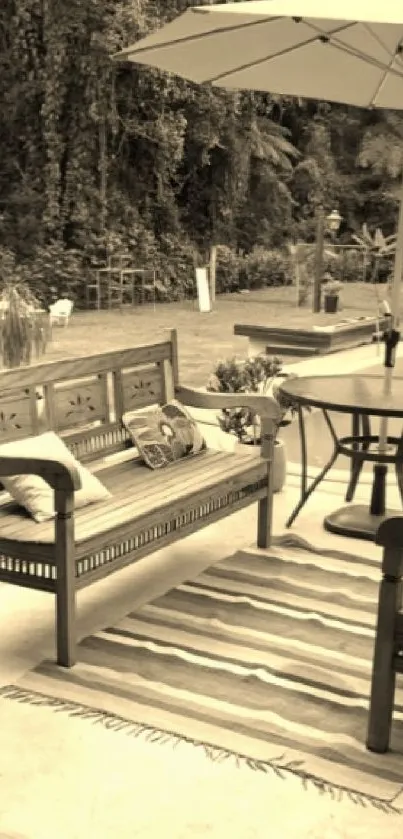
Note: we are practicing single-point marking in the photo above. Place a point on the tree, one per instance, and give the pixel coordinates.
(95, 151)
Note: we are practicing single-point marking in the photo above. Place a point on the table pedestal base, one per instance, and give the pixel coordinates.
(356, 521)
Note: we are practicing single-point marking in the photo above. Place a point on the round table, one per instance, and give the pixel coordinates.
(362, 397)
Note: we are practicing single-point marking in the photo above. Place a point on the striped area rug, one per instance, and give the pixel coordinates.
(265, 658)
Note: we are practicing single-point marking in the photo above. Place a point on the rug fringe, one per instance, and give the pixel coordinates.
(278, 765)
(294, 540)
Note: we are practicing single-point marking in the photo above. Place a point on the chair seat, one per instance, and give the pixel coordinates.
(137, 493)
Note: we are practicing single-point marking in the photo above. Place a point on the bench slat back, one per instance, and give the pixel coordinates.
(83, 399)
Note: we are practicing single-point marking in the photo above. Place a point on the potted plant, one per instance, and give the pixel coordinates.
(261, 374)
(331, 293)
(24, 326)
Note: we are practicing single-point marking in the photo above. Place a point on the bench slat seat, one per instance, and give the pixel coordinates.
(136, 492)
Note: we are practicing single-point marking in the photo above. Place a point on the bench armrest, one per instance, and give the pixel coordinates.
(264, 406)
(60, 476)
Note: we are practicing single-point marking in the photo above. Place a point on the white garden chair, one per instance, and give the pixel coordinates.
(60, 311)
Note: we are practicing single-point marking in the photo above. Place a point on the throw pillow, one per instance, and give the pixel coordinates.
(164, 435)
(32, 492)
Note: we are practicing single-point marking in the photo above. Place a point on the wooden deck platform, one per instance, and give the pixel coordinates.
(319, 340)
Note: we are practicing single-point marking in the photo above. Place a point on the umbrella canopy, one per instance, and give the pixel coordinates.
(353, 54)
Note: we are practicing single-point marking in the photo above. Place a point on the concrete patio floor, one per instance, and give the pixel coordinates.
(61, 776)
(31, 738)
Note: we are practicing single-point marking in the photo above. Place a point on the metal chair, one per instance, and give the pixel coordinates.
(117, 283)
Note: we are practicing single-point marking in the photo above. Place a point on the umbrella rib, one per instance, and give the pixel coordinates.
(188, 39)
(388, 68)
(381, 83)
(335, 42)
(279, 54)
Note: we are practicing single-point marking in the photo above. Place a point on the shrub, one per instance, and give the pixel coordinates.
(263, 267)
(176, 264)
(22, 329)
(346, 265)
(55, 271)
(228, 267)
(352, 263)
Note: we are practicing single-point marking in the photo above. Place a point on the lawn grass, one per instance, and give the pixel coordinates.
(203, 338)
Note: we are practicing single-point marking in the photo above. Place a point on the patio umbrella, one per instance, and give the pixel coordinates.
(352, 53)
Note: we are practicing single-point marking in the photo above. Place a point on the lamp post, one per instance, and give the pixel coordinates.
(334, 220)
(332, 223)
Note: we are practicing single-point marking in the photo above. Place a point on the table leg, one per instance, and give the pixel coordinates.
(357, 462)
(305, 490)
(361, 521)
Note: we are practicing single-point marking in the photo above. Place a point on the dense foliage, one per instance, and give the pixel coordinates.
(97, 154)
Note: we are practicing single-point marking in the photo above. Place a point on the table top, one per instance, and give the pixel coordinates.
(358, 393)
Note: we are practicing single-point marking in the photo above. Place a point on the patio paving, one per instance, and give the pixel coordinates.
(32, 739)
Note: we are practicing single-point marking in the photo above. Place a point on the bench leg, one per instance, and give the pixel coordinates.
(264, 523)
(383, 671)
(65, 583)
(65, 627)
(265, 514)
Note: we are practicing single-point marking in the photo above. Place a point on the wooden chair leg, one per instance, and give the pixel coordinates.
(383, 672)
(390, 535)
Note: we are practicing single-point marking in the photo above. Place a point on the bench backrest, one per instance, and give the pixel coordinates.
(83, 399)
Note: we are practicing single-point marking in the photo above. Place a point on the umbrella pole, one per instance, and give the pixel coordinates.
(391, 339)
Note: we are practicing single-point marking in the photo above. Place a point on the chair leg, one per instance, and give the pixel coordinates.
(383, 674)
(383, 670)
(356, 468)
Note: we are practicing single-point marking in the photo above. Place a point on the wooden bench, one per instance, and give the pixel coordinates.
(83, 399)
(388, 650)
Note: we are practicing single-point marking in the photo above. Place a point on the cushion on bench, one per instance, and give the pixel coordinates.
(165, 434)
(32, 492)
